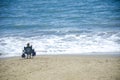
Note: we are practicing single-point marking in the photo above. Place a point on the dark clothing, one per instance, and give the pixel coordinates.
(28, 50)
(23, 55)
(33, 53)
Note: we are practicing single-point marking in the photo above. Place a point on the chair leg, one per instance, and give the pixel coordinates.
(30, 55)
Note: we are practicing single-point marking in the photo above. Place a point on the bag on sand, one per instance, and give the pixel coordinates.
(34, 53)
(23, 55)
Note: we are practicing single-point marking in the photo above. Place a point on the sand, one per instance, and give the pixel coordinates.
(61, 68)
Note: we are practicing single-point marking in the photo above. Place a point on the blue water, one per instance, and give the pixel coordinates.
(60, 26)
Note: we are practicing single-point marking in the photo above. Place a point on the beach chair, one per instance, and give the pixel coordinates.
(28, 51)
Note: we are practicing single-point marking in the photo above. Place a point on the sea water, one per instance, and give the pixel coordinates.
(60, 26)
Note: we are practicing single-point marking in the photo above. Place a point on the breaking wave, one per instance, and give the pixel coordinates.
(66, 42)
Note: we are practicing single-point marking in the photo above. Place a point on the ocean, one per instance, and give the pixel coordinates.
(53, 27)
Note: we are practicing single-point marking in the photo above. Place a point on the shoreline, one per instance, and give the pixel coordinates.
(80, 55)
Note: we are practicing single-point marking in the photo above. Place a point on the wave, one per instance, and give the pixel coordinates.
(71, 42)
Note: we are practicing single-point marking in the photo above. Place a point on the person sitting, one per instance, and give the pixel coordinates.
(28, 50)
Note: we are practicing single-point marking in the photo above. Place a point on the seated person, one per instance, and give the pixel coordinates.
(28, 49)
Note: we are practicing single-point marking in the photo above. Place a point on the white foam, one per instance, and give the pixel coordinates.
(66, 44)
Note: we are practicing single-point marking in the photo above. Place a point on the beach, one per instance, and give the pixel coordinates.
(75, 39)
(61, 68)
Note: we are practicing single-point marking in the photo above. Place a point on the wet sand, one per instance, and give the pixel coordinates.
(61, 68)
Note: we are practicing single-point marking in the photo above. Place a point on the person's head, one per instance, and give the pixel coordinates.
(28, 44)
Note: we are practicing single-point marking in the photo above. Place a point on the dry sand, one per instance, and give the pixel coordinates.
(61, 68)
